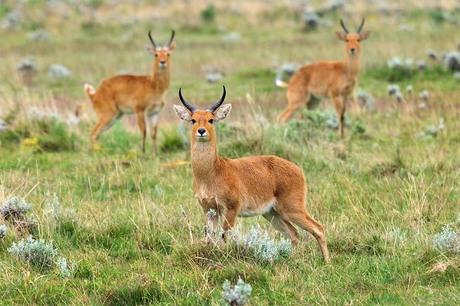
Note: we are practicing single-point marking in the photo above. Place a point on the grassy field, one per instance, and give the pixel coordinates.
(129, 224)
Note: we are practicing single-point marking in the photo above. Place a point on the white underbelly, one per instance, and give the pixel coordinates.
(249, 210)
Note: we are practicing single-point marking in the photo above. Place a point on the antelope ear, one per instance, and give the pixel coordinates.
(223, 112)
(150, 49)
(183, 113)
(172, 46)
(364, 35)
(341, 36)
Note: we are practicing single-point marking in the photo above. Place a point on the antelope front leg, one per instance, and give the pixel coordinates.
(339, 103)
(153, 122)
(229, 222)
(142, 128)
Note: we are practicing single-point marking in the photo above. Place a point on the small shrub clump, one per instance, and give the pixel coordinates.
(260, 246)
(2, 231)
(65, 269)
(238, 294)
(448, 241)
(15, 208)
(41, 255)
(35, 252)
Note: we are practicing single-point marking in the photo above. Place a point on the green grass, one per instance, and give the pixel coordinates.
(381, 193)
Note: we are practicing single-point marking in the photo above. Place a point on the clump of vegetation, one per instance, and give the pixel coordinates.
(431, 130)
(209, 13)
(448, 241)
(258, 244)
(41, 255)
(237, 294)
(27, 70)
(172, 140)
(358, 129)
(365, 99)
(35, 252)
(39, 35)
(16, 210)
(58, 71)
(3, 229)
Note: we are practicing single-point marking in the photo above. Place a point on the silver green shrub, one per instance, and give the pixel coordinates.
(15, 207)
(42, 255)
(65, 269)
(2, 231)
(260, 246)
(448, 241)
(236, 295)
(38, 253)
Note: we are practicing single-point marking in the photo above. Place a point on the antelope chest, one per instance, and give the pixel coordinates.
(206, 199)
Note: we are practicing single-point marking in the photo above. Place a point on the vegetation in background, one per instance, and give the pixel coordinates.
(129, 223)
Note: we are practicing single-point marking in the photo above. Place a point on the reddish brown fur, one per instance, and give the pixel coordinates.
(257, 185)
(142, 95)
(335, 79)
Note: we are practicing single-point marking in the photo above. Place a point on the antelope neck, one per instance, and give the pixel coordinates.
(204, 160)
(161, 78)
(352, 65)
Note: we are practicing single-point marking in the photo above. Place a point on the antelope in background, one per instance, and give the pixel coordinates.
(259, 185)
(139, 94)
(335, 79)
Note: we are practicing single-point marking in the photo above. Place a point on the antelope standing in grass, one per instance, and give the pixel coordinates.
(139, 94)
(335, 79)
(259, 185)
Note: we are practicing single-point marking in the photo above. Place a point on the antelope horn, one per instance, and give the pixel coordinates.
(344, 27)
(190, 107)
(213, 108)
(361, 26)
(153, 42)
(170, 40)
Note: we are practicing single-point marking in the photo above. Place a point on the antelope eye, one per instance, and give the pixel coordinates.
(348, 40)
(193, 121)
(168, 54)
(156, 55)
(359, 40)
(211, 121)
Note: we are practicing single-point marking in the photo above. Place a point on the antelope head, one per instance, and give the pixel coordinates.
(353, 39)
(203, 121)
(161, 53)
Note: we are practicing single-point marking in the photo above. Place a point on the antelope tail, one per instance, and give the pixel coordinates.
(281, 83)
(89, 90)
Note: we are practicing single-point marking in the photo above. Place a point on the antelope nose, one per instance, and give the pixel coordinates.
(352, 50)
(162, 62)
(201, 131)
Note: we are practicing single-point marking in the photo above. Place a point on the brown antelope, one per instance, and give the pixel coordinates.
(259, 185)
(335, 79)
(139, 94)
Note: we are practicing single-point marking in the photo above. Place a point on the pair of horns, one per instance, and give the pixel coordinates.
(212, 109)
(156, 45)
(357, 31)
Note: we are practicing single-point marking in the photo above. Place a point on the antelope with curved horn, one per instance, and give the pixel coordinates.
(259, 185)
(335, 79)
(139, 94)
